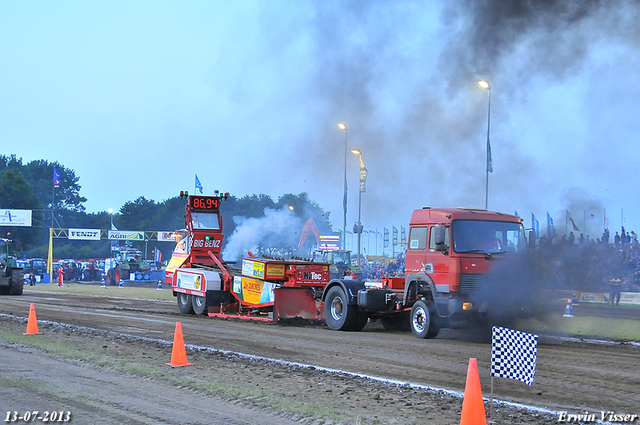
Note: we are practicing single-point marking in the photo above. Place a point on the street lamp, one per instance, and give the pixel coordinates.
(111, 216)
(343, 126)
(485, 85)
(358, 224)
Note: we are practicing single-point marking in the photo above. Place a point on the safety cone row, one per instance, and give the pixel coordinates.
(179, 352)
(120, 284)
(159, 286)
(568, 310)
(32, 322)
(102, 284)
(473, 412)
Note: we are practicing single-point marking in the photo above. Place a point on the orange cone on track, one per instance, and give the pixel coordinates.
(179, 352)
(473, 406)
(32, 322)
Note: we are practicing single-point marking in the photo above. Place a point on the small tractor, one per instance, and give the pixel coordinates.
(340, 261)
(127, 263)
(11, 275)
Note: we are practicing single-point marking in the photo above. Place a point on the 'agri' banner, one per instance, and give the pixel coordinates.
(124, 235)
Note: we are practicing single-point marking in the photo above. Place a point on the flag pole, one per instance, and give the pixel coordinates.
(491, 403)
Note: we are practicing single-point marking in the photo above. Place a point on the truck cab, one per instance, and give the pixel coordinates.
(454, 248)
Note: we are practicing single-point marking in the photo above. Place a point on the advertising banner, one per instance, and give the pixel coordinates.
(630, 298)
(84, 234)
(166, 236)
(329, 241)
(593, 297)
(253, 292)
(124, 235)
(15, 218)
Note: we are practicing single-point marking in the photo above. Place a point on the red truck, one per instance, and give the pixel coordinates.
(448, 255)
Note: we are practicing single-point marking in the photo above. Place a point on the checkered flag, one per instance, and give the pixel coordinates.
(513, 354)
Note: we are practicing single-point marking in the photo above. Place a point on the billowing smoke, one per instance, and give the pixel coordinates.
(368, 59)
(276, 234)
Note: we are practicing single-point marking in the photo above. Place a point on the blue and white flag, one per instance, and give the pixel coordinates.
(56, 177)
(198, 185)
(513, 354)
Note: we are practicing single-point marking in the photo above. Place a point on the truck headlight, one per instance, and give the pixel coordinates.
(467, 306)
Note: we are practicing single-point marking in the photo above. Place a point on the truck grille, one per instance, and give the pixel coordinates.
(470, 282)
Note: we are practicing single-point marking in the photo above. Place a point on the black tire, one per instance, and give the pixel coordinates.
(338, 315)
(361, 321)
(114, 276)
(184, 303)
(16, 285)
(424, 322)
(396, 322)
(199, 305)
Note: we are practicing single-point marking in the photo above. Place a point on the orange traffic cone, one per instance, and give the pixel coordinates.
(473, 406)
(179, 353)
(32, 322)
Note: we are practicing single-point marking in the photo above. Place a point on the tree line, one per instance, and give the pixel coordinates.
(30, 186)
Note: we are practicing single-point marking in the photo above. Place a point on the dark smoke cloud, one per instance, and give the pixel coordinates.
(556, 35)
(423, 143)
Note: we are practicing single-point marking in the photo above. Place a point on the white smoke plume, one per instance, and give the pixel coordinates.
(276, 233)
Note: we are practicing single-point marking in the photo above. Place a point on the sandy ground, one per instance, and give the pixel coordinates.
(116, 370)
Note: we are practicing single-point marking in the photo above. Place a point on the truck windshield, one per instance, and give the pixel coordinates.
(487, 236)
(201, 220)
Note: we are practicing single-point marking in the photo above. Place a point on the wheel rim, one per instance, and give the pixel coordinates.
(419, 319)
(183, 298)
(337, 308)
(199, 301)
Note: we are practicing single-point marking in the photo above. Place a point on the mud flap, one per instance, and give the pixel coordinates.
(291, 302)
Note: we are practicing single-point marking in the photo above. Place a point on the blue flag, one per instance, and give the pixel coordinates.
(551, 231)
(198, 184)
(56, 177)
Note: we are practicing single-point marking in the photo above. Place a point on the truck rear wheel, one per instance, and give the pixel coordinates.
(338, 314)
(423, 322)
(199, 305)
(361, 321)
(396, 322)
(184, 303)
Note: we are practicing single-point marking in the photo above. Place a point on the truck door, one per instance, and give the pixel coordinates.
(438, 260)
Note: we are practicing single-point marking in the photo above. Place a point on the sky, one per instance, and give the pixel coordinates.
(138, 97)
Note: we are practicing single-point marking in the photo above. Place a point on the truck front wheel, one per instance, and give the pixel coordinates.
(424, 324)
(184, 303)
(199, 305)
(338, 314)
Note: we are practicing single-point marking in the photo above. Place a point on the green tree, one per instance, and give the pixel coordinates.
(16, 193)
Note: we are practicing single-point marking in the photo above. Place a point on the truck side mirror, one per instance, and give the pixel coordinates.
(532, 239)
(438, 238)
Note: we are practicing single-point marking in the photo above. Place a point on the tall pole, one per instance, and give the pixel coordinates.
(485, 84)
(359, 231)
(362, 176)
(343, 126)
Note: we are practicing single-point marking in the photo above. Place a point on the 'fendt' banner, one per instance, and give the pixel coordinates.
(84, 234)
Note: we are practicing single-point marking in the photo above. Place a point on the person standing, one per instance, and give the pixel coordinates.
(60, 276)
(615, 289)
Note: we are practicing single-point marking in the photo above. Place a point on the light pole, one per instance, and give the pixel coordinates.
(343, 126)
(485, 85)
(358, 224)
(111, 216)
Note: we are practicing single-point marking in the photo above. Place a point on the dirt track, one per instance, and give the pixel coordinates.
(573, 377)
